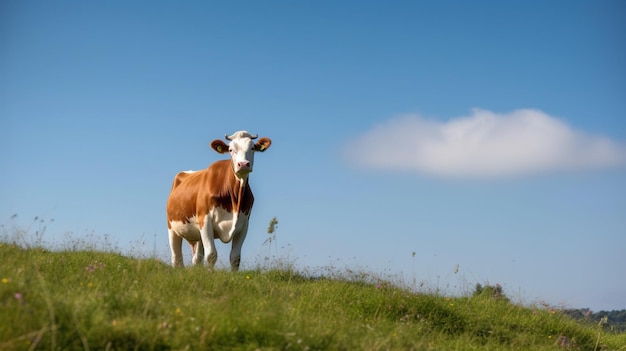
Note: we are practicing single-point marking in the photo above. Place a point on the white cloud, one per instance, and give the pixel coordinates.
(484, 144)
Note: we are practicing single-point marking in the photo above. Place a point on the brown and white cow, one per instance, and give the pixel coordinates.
(214, 203)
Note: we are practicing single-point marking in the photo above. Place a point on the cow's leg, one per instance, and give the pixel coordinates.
(235, 252)
(208, 243)
(198, 252)
(176, 246)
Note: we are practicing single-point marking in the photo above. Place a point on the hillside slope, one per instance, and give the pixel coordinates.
(104, 301)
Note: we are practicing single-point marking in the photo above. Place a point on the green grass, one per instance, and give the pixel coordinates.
(86, 300)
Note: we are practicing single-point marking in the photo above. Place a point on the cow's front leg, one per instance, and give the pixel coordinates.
(235, 252)
(208, 243)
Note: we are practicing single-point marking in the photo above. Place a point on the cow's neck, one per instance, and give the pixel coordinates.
(238, 191)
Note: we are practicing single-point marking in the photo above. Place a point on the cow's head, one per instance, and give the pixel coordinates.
(241, 149)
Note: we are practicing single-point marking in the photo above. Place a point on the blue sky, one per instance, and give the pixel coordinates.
(489, 135)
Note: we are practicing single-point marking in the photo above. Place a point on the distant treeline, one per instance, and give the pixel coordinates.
(608, 320)
(615, 320)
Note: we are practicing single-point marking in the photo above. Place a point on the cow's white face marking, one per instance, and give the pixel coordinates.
(242, 156)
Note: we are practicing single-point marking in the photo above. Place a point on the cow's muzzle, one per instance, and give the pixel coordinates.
(242, 168)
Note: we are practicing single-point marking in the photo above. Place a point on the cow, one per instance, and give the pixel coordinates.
(214, 203)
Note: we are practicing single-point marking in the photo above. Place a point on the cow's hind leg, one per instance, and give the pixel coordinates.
(176, 246)
(198, 252)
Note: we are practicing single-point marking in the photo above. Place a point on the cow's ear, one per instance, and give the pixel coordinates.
(219, 146)
(262, 144)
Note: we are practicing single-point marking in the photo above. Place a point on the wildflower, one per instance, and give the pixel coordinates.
(247, 277)
(5, 280)
(19, 297)
(177, 310)
(90, 285)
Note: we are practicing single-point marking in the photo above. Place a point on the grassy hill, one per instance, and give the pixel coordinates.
(85, 300)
